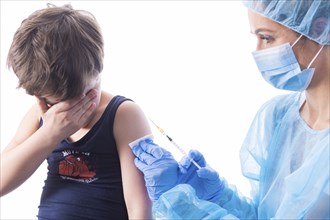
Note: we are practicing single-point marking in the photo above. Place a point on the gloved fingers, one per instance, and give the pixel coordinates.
(151, 148)
(198, 157)
(140, 164)
(143, 156)
(182, 169)
(192, 155)
(207, 173)
(137, 150)
(185, 163)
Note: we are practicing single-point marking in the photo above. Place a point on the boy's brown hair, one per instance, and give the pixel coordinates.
(56, 51)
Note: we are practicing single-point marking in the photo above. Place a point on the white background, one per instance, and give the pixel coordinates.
(188, 65)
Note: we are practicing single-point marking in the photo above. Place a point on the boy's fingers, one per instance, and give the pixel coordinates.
(77, 104)
(85, 115)
(69, 104)
(85, 104)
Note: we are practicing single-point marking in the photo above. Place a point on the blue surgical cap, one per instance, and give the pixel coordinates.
(310, 18)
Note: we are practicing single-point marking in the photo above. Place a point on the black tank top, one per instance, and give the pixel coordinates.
(84, 177)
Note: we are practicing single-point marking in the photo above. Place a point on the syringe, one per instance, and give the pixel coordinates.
(176, 145)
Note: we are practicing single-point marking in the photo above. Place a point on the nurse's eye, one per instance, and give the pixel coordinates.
(266, 39)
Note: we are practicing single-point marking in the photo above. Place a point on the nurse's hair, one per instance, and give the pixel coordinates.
(310, 18)
(56, 51)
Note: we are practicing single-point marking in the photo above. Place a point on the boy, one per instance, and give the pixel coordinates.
(57, 55)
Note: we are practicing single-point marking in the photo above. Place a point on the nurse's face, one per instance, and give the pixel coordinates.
(268, 32)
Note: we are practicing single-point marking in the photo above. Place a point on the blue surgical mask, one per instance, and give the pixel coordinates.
(279, 67)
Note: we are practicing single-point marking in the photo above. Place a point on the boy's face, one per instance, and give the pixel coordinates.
(93, 84)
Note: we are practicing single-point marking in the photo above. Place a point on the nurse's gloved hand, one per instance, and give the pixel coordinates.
(205, 181)
(160, 169)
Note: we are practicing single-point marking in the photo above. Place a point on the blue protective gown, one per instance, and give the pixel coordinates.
(286, 162)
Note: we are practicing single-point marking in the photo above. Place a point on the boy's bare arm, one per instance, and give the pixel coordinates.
(131, 124)
(30, 145)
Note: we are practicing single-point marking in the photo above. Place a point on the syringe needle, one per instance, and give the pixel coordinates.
(176, 145)
(183, 152)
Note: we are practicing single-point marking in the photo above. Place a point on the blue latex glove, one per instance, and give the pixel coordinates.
(205, 181)
(161, 171)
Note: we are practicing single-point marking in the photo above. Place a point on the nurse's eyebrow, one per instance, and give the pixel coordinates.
(259, 30)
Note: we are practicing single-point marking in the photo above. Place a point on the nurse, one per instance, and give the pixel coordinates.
(285, 154)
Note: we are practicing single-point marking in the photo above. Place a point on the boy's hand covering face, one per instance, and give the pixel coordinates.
(65, 118)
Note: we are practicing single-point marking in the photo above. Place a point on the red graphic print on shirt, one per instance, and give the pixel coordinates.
(75, 167)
